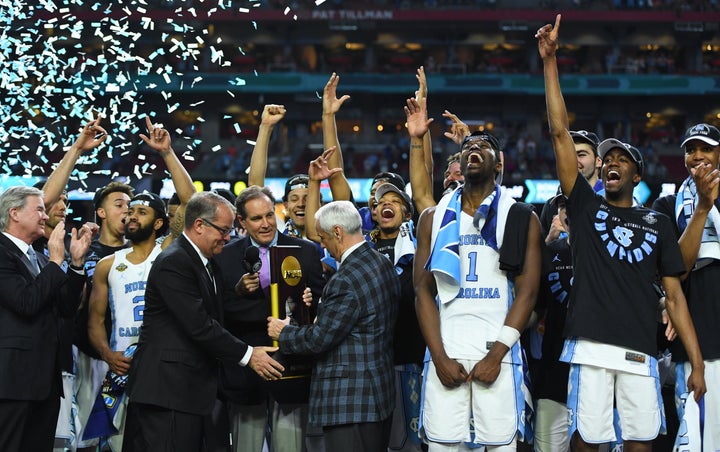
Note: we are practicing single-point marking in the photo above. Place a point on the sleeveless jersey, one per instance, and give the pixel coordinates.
(126, 284)
(470, 323)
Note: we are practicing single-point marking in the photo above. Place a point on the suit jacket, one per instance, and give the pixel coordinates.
(353, 379)
(29, 311)
(246, 318)
(182, 338)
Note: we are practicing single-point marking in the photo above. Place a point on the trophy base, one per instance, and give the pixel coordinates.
(295, 366)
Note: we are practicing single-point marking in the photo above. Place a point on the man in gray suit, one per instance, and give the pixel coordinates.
(352, 390)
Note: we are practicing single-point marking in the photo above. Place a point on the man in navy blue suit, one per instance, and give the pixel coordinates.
(172, 384)
(252, 403)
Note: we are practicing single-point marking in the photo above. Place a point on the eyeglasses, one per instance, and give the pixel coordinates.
(222, 231)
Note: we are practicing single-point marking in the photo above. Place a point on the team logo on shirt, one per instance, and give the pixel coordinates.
(121, 268)
(627, 242)
(650, 218)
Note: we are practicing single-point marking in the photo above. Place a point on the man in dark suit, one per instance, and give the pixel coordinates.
(34, 292)
(253, 403)
(172, 383)
(352, 390)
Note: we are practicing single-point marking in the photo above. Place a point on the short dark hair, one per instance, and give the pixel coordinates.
(112, 187)
(104, 192)
(250, 193)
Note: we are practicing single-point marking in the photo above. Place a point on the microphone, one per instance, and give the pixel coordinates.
(251, 261)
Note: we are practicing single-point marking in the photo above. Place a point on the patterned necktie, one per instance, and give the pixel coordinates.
(265, 269)
(32, 256)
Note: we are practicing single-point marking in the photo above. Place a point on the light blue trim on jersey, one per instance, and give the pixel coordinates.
(655, 373)
(519, 401)
(112, 307)
(426, 369)
(572, 398)
(568, 350)
(692, 423)
(680, 388)
(516, 352)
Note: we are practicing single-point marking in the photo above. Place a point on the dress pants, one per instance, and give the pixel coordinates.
(362, 437)
(29, 425)
(249, 426)
(150, 428)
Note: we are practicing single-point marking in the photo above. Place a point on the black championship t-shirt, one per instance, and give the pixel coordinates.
(617, 253)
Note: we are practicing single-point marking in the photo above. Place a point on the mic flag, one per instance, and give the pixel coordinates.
(251, 261)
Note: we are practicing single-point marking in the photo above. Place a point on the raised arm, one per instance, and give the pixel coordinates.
(420, 95)
(566, 159)
(451, 373)
(331, 105)
(91, 136)
(318, 171)
(418, 125)
(271, 115)
(159, 140)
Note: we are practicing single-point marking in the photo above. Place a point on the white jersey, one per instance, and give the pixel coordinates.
(126, 290)
(470, 323)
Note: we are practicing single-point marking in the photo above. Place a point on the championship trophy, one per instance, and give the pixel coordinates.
(286, 288)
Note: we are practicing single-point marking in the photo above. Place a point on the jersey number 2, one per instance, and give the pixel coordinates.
(139, 309)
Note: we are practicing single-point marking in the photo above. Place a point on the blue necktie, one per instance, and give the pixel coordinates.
(32, 256)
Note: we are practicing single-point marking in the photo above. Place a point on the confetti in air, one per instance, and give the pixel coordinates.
(64, 62)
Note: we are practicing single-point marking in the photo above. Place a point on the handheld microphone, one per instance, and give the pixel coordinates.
(251, 261)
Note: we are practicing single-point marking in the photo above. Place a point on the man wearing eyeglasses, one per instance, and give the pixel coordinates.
(118, 292)
(172, 384)
(252, 402)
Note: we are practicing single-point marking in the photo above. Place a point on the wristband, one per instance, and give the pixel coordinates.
(77, 269)
(508, 336)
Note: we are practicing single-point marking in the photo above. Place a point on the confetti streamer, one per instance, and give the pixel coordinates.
(63, 61)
